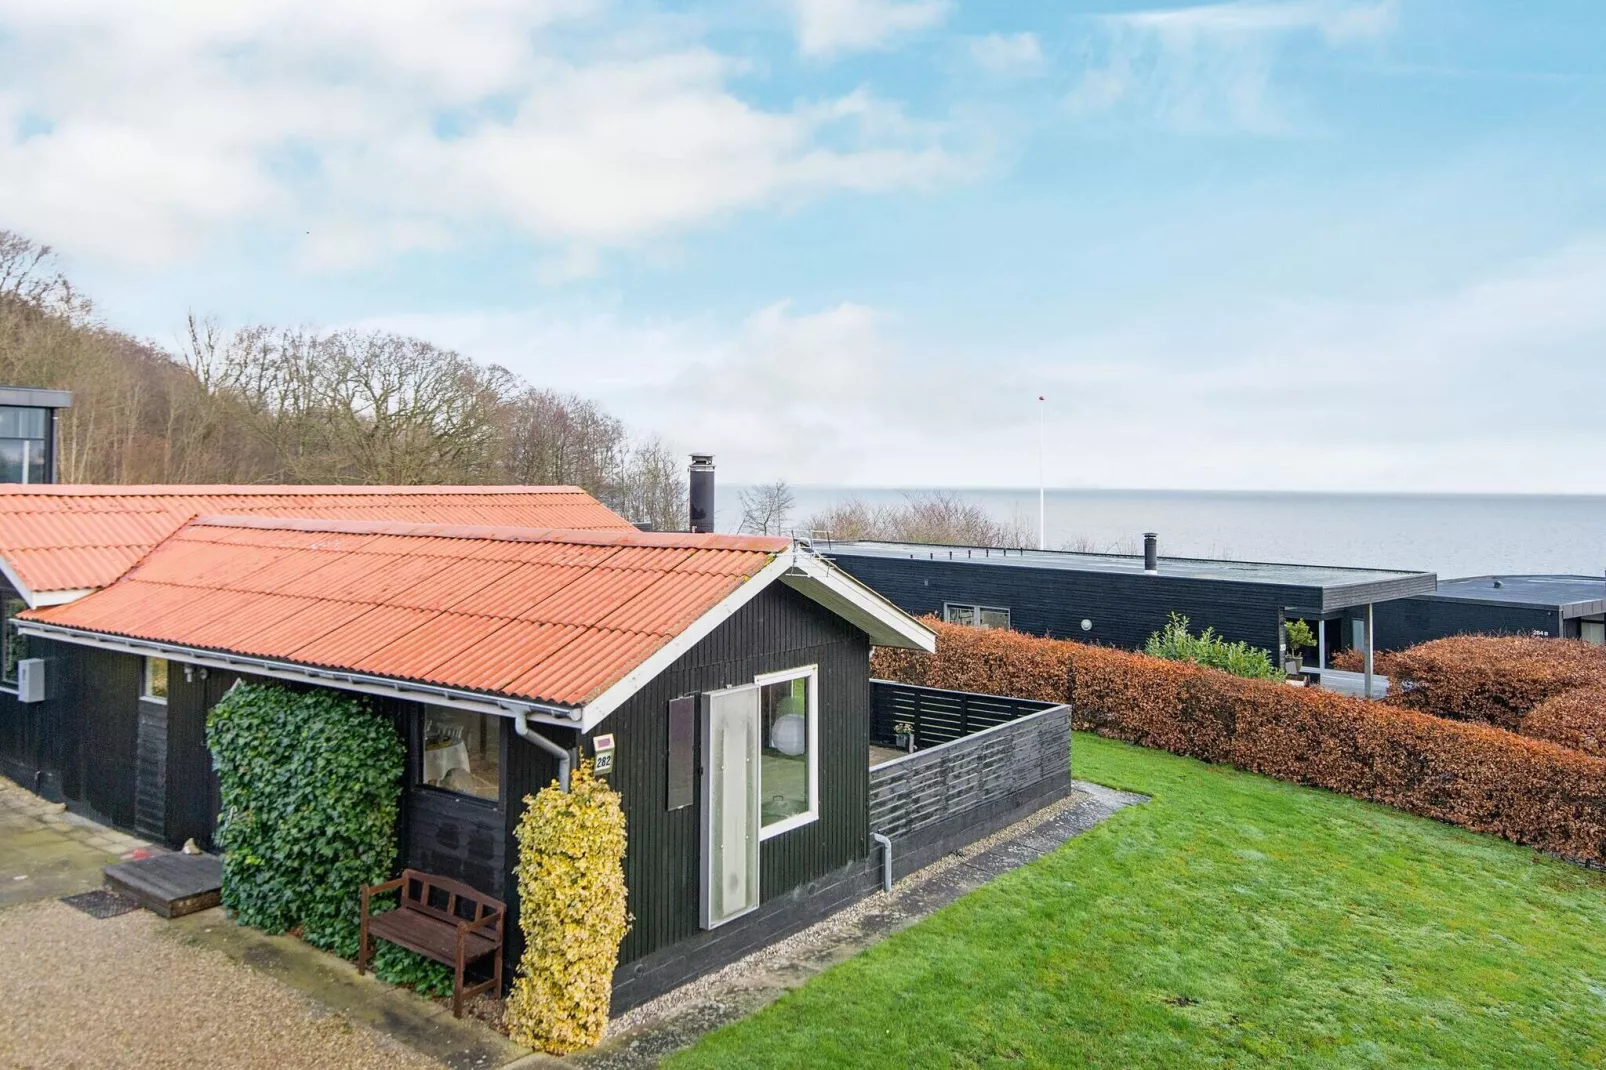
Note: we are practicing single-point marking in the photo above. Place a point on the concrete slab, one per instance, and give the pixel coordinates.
(43, 855)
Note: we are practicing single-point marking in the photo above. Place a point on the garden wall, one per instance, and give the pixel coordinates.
(1473, 775)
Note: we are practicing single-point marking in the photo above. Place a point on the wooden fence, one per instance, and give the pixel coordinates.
(939, 716)
(936, 800)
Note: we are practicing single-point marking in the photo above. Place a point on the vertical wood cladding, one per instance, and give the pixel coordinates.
(780, 629)
(104, 725)
(1124, 609)
(192, 785)
(150, 772)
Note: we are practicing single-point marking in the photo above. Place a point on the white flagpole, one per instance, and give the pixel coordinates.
(1042, 523)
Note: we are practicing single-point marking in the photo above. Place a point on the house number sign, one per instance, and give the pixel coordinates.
(603, 745)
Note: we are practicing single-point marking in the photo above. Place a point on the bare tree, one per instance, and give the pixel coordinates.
(767, 510)
(937, 517)
(648, 487)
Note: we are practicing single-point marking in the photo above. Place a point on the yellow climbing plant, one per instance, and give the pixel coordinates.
(572, 911)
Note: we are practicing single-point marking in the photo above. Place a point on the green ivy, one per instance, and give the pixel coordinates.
(408, 969)
(310, 784)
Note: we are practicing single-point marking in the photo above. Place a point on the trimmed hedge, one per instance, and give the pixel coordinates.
(1476, 776)
(1575, 719)
(572, 912)
(1494, 679)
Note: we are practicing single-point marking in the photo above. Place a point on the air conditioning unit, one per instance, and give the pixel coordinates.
(31, 680)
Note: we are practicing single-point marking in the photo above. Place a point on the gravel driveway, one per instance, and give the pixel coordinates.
(85, 993)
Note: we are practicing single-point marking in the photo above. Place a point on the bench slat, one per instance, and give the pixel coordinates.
(435, 939)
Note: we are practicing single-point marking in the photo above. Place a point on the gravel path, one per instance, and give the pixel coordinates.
(85, 993)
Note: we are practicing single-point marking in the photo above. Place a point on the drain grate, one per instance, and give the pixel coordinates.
(100, 903)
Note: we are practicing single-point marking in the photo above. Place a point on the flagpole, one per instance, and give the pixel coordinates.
(1042, 523)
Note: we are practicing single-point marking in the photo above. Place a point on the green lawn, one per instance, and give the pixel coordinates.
(1231, 921)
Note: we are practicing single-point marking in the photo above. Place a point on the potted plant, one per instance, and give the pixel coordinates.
(1297, 635)
(904, 733)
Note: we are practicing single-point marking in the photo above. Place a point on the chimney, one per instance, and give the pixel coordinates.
(1151, 552)
(701, 478)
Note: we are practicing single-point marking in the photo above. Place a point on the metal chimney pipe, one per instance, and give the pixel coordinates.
(1151, 552)
(700, 476)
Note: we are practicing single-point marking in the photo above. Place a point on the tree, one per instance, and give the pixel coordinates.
(766, 509)
(937, 517)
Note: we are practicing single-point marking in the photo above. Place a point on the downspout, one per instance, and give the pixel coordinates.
(886, 860)
(521, 725)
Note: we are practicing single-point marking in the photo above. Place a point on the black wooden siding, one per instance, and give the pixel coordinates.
(1124, 609)
(150, 772)
(939, 716)
(1409, 621)
(779, 629)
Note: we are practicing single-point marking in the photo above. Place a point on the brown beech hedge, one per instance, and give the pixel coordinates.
(1575, 719)
(1477, 776)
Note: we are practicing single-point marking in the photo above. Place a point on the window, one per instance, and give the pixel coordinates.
(1592, 631)
(975, 616)
(15, 644)
(788, 756)
(22, 444)
(154, 687)
(462, 752)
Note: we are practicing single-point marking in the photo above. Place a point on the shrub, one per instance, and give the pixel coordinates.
(1476, 776)
(310, 782)
(1175, 643)
(1494, 679)
(572, 912)
(1575, 719)
(1298, 635)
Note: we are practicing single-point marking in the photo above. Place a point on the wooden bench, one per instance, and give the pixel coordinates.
(462, 931)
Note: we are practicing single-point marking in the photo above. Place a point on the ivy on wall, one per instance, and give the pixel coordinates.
(572, 910)
(311, 787)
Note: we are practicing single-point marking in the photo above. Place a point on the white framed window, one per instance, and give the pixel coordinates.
(973, 616)
(153, 684)
(789, 755)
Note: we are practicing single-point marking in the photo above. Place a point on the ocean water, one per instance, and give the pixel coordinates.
(1450, 534)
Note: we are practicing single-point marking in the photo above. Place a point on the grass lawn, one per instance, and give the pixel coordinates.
(1231, 921)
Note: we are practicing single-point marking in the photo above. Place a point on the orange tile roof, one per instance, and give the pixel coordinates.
(548, 615)
(71, 537)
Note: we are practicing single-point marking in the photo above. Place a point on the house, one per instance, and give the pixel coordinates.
(1572, 607)
(722, 682)
(59, 543)
(28, 436)
(1121, 599)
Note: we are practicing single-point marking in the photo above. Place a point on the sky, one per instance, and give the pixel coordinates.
(1264, 244)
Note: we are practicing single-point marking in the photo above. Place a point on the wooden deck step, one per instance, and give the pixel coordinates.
(172, 885)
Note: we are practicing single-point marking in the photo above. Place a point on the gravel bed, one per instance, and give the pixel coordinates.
(81, 992)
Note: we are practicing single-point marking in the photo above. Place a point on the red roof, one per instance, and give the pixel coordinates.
(552, 616)
(67, 537)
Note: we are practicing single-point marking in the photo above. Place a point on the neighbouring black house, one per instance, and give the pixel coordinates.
(723, 681)
(28, 433)
(1120, 599)
(1571, 607)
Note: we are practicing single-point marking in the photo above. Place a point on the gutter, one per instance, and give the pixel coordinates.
(362, 683)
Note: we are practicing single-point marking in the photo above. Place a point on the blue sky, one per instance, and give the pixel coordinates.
(1325, 244)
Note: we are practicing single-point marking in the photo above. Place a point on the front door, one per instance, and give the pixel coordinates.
(730, 804)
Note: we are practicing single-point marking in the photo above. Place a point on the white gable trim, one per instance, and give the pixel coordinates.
(810, 575)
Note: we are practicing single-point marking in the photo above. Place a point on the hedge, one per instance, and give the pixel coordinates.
(572, 913)
(1476, 776)
(1575, 719)
(1494, 679)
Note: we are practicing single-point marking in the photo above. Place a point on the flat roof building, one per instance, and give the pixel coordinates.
(28, 419)
(1571, 607)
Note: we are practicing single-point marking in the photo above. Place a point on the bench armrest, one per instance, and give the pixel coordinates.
(379, 889)
(494, 916)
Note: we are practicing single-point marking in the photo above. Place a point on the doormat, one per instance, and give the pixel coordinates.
(100, 903)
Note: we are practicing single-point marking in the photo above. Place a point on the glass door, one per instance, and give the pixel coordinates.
(730, 804)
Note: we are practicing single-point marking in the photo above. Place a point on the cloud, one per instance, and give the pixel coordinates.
(1008, 53)
(153, 130)
(1208, 69)
(1447, 392)
(828, 27)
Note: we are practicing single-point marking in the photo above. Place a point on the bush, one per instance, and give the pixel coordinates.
(572, 912)
(1476, 776)
(1488, 678)
(1175, 643)
(310, 783)
(1575, 719)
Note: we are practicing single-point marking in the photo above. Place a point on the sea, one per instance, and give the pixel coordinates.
(1449, 534)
